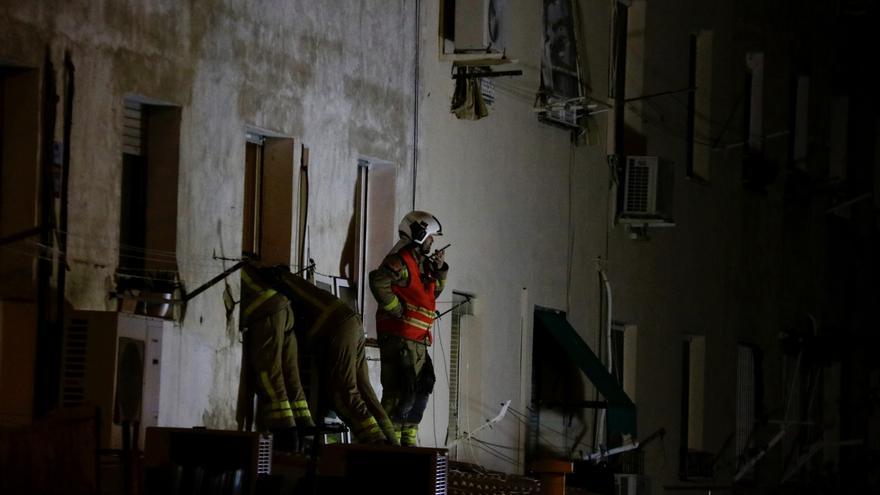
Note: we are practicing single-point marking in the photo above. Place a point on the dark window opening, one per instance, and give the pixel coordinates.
(148, 206)
(253, 196)
(19, 176)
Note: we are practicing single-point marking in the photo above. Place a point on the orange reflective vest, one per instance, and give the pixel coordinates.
(418, 303)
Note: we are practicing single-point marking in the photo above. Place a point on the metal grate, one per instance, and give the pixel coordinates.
(73, 374)
(441, 483)
(637, 183)
(454, 363)
(745, 398)
(264, 456)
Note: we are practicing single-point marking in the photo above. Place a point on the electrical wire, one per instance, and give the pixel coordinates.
(152, 255)
(499, 446)
(485, 446)
(524, 420)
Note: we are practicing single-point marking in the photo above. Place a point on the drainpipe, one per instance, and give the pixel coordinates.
(47, 367)
(69, 71)
(619, 89)
(415, 145)
(600, 428)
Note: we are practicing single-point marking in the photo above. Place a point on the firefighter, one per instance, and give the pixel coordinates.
(271, 355)
(406, 286)
(334, 332)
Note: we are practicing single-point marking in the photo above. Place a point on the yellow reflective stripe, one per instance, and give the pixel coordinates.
(368, 423)
(267, 384)
(417, 323)
(393, 304)
(266, 294)
(260, 300)
(250, 282)
(281, 414)
(301, 409)
(281, 405)
(422, 311)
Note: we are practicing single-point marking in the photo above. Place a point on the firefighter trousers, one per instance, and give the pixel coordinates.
(272, 351)
(407, 382)
(346, 379)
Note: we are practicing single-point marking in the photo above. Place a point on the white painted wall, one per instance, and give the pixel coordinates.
(500, 186)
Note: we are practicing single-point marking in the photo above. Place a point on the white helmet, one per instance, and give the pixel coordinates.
(417, 226)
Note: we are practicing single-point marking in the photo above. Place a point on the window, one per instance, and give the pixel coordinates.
(461, 306)
(253, 196)
(755, 115)
(19, 172)
(267, 233)
(148, 217)
(800, 142)
(757, 171)
(375, 227)
(694, 463)
(624, 345)
(745, 398)
(839, 133)
(699, 125)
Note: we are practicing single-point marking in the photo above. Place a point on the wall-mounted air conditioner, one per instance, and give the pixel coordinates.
(631, 484)
(112, 361)
(646, 201)
(640, 186)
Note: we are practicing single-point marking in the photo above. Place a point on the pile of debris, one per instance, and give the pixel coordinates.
(465, 478)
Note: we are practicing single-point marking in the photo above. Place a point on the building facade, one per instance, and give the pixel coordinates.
(146, 146)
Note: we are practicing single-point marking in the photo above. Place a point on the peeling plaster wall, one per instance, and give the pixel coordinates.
(334, 76)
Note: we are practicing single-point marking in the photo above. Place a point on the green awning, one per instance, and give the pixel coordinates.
(621, 410)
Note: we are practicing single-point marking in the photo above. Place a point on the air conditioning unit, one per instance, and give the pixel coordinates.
(640, 186)
(631, 484)
(647, 193)
(112, 361)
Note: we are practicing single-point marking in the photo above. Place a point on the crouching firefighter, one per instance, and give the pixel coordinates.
(271, 365)
(334, 333)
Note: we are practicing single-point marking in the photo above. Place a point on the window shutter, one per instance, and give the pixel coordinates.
(133, 133)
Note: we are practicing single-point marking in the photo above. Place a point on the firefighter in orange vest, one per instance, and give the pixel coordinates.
(335, 335)
(272, 365)
(406, 286)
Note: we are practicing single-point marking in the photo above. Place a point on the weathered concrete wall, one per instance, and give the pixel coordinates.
(334, 76)
(527, 212)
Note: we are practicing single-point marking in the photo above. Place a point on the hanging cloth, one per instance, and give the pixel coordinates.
(467, 100)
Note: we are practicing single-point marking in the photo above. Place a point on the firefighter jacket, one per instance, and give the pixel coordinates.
(258, 297)
(407, 290)
(336, 338)
(316, 310)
